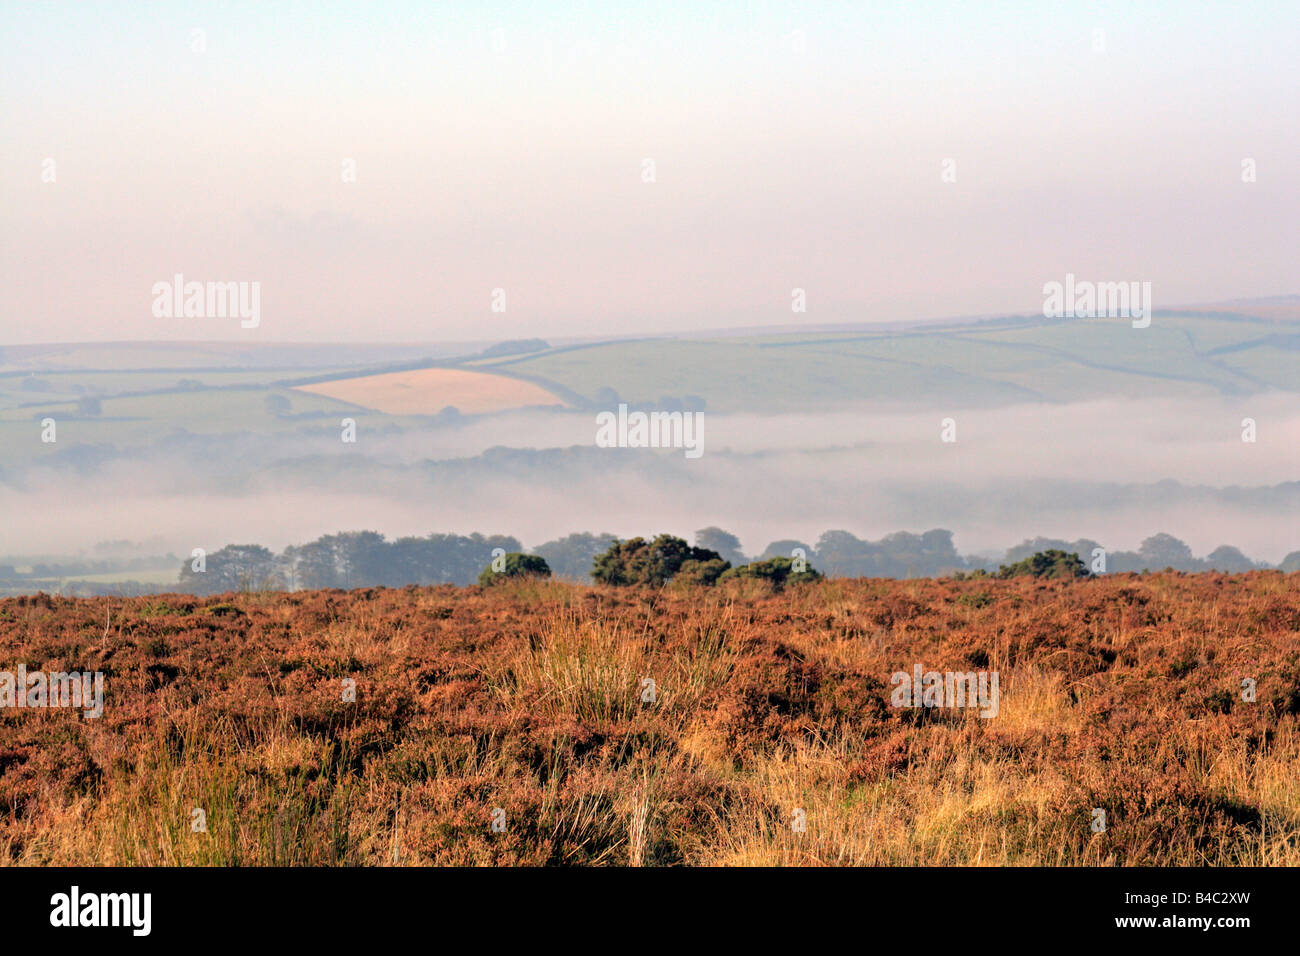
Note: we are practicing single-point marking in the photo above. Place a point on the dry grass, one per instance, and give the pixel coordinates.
(1121, 694)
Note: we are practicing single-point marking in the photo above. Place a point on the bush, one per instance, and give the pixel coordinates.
(779, 571)
(1046, 564)
(653, 563)
(701, 572)
(516, 566)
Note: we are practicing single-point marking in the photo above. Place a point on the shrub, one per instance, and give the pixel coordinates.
(1046, 564)
(780, 571)
(653, 563)
(694, 572)
(517, 565)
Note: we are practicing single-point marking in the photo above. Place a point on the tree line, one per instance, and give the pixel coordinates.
(355, 559)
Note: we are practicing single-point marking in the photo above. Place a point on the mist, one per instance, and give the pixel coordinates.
(1115, 471)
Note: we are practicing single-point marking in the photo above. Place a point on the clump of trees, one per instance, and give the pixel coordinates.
(572, 556)
(668, 558)
(236, 567)
(367, 559)
(1156, 553)
(515, 565)
(351, 559)
(898, 555)
(653, 563)
(1046, 564)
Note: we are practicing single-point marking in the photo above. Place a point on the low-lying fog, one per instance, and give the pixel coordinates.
(1115, 471)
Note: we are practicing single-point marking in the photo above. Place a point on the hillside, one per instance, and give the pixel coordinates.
(988, 363)
(144, 393)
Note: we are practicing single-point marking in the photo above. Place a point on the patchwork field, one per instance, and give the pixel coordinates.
(116, 402)
(525, 704)
(428, 391)
(986, 364)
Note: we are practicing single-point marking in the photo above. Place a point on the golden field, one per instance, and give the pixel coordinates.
(428, 391)
(1121, 693)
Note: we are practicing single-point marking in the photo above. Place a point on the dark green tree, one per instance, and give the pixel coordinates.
(1046, 564)
(516, 565)
(653, 563)
(779, 571)
(705, 573)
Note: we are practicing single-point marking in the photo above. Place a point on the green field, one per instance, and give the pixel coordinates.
(958, 365)
(135, 421)
(994, 363)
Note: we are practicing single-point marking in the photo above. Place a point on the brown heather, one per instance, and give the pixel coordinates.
(1122, 693)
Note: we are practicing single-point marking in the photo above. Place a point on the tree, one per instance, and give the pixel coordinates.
(1031, 546)
(517, 565)
(311, 565)
(726, 544)
(1165, 551)
(363, 557)
(236, 567)
(901, 554)
(277, 405)
(1084, 547)
(844, 554)
(1229, 559)
(779, 571)
(354, 559)
(1046, 564)
(642, 562)
(704, 573)
(572, 556)
(786, 547)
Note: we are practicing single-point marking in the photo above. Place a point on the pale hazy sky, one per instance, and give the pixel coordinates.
(501, 145)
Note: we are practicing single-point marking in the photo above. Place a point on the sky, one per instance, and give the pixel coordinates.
(505, 146)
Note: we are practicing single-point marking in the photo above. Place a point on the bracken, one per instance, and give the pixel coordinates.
(1122, 693)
